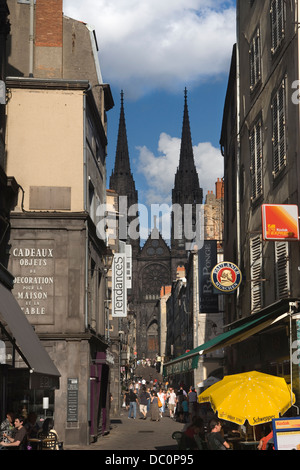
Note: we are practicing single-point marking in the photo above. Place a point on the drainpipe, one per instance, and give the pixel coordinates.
(238, 159)
(31, 38)
(85, 196)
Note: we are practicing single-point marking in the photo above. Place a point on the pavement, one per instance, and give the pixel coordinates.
(136, 434)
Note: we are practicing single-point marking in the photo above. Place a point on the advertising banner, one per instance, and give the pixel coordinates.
(286, 432)
(280, 222)
(208, 299)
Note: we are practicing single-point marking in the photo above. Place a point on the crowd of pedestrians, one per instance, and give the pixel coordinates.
(157, 400)
(201, 427)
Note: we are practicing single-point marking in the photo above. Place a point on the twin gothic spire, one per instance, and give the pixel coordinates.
(186, 186)
(121, 179)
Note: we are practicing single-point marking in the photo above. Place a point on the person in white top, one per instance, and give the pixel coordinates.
(172, 400)
(162, 396)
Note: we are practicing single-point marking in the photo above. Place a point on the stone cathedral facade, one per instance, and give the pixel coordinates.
(155, 263)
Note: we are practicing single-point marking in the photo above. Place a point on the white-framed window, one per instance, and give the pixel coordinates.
(279, 129)
(255, 60)
(282, 269)
(256, 158)
(256, 273)
(277, 23)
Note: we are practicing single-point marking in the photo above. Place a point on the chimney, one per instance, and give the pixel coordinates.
(220, 189)
(48, 38)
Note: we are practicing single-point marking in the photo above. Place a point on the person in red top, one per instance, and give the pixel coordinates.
(265, 442)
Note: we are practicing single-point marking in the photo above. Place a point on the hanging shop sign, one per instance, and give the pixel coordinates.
(119, 286)
(207, 258)
(226, 277)
(280, 222)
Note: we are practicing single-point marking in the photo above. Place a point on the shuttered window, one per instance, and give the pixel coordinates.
(256, 160)
(256, 273)
(279, 129)
(277, 23)
(255, 67)
(282, 270)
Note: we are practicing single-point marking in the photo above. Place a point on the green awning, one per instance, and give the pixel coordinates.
(240, 330)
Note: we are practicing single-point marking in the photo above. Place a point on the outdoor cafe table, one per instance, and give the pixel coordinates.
(249, 445)
(38, 442)
(234, 441)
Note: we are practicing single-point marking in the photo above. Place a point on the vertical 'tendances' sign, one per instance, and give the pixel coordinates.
(119, 288)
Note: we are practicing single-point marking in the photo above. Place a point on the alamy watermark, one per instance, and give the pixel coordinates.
(132, 222)
(296, 94)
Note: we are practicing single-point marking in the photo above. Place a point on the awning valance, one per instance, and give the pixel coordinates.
(240, 330)
(41, 366)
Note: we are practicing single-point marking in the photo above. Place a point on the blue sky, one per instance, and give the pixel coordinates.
(153, 49)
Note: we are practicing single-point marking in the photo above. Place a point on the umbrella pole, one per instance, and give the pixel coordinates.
(291, 363)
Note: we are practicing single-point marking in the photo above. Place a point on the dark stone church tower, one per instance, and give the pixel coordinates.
(186, 195)
(155, 264)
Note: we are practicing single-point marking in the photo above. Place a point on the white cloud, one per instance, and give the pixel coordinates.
(146, 44)
(159, 170)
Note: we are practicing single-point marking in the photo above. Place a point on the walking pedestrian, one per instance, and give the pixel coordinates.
(133, 400)
(172, 400)
(192, 398)
(162, 396)
(185, 409)
(143, 400)
(154, 409)
(126, 399)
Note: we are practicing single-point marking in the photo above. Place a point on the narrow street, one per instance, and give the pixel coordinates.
(129, 434)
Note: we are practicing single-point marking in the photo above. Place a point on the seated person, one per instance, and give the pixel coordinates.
(18, 441)
(215, 439)
(48, 431)
(192, 437)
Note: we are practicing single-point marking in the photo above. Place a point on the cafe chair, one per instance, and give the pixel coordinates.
(177, 435)
(48, 442)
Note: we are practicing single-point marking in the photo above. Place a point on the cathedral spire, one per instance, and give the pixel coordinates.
(122, 163)
(186, 189)
(186, 151)
(121, 180)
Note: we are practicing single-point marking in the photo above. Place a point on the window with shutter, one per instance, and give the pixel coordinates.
(279, 129)
(255, 67)
(256, 160)
(277, 23)
(282, 270)
(256, 273)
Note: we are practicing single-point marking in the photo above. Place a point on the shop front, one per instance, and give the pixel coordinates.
(257, 342)
(27, 374)
(100, 395)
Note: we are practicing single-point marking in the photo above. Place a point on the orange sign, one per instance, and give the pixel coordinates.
(287, 423)
(280, 222)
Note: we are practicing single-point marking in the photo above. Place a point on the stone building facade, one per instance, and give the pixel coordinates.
(56, 147)
(260, 143)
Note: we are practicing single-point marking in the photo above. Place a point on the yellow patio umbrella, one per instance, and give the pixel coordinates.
(251, 396)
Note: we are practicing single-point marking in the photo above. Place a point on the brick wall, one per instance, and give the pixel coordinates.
(49, 23)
